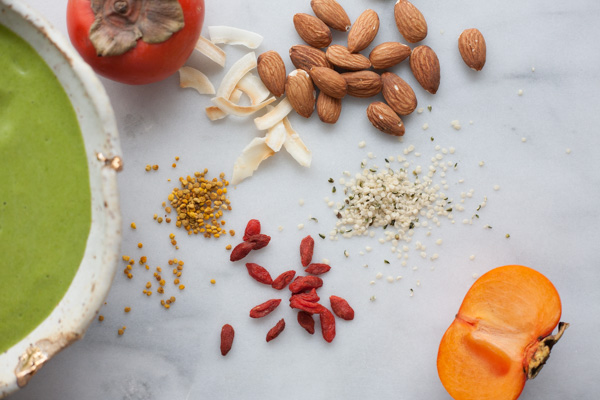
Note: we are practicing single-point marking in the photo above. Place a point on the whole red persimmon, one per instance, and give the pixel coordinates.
(135, 41)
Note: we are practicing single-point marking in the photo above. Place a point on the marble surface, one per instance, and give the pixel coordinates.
(547, 200)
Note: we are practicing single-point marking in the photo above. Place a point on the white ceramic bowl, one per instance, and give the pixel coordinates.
(70, 319)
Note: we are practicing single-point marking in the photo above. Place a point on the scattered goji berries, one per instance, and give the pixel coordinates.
(265, 308)
(252, 240)
(303, 283)
(327, 325)
(308, 296)
(341, 308)
(276, 330)
(306, 321)
(307, 246)
(252, 228)
(259, 241)
(317, 269)
(227, 334)
(260, 274)
(310, 307)
(283, 280)
(240, 251)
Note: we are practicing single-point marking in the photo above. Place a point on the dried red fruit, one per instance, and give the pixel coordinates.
(227, 335)
(306, 321)
(259, 273)
(276, 330)
(283, 280)
(327, 325)
(307, 246)
(304, 305)
(303, 283)
(240, 251)
(341, 308)
(317, 269)
(311, 296)
(252, 228)
(265, 308)
(259, 241)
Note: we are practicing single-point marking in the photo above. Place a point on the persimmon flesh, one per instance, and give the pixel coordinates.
(501, 335)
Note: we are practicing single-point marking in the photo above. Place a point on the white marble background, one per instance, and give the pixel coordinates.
(547, 202)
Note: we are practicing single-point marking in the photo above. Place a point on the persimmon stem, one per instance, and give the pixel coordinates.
(542, 353)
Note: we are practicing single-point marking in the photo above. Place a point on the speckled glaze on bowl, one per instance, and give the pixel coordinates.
(70, 319)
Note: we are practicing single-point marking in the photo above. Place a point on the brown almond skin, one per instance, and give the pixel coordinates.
(385, 119)
(341, 57)
(331, 13)
(328, 108)
(271, 69)
(472, 47)
(398, 94)
(363, 31)
(329, 81)
(306, 57)
(312, 30)
(388, 54)
(425, 66)
(410, 22)
(300, 92)
(363, 83)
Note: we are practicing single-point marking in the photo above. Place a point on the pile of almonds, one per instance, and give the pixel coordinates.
(338, 70)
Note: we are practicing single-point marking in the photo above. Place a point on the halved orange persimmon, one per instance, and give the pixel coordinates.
(501, 335)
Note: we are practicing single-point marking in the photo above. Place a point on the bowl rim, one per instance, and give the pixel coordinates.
(20, 362)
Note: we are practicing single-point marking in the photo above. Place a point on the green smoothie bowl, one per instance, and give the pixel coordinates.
(60, 223)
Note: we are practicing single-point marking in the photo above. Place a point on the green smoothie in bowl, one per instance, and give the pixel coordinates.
(45, 204)
(60, 222)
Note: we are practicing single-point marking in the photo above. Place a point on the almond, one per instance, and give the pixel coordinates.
(425, 66)
(385, 119)
(332, 13)
(363, 31)
(329, 81)
(312, 30)
(300, 92)
(410, 21)
(271, 70)
(398, 94)
(363, 83)
(388, 54)
(305, 57)
(341, 57)
(471, 45)
(328, 108)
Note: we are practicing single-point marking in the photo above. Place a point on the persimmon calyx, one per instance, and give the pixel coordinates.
(542, 353)
(119, 24)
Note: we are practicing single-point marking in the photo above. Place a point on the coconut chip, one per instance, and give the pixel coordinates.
(276, 136)
(237, 71)
(241, 111)
(211, 50)
(281, 110)
(215, 113)
(254, 88)
(192, 78)
(256, 152)
(295, 146)
(235, 36)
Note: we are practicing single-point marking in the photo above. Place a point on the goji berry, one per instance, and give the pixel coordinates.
(283, 280)
(304, 305)
(327, 325)
(317, 269)
(276, 330)
(341, 308)
(259, 241)
(311, 296)
(240, 251)
(265, 308)
(227, 335)
(303, 283)
(259, 273)
(252, 228)
(306, 321)
(307, 246)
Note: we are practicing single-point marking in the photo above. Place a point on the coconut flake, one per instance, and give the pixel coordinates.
(254, 88)
(237, 71)
(192, 78)
(281, 110)
(235, 36)
(256, 152)
(241, 111)
(215, 113)
(295, 146)
(276, 136)
(211, 50)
